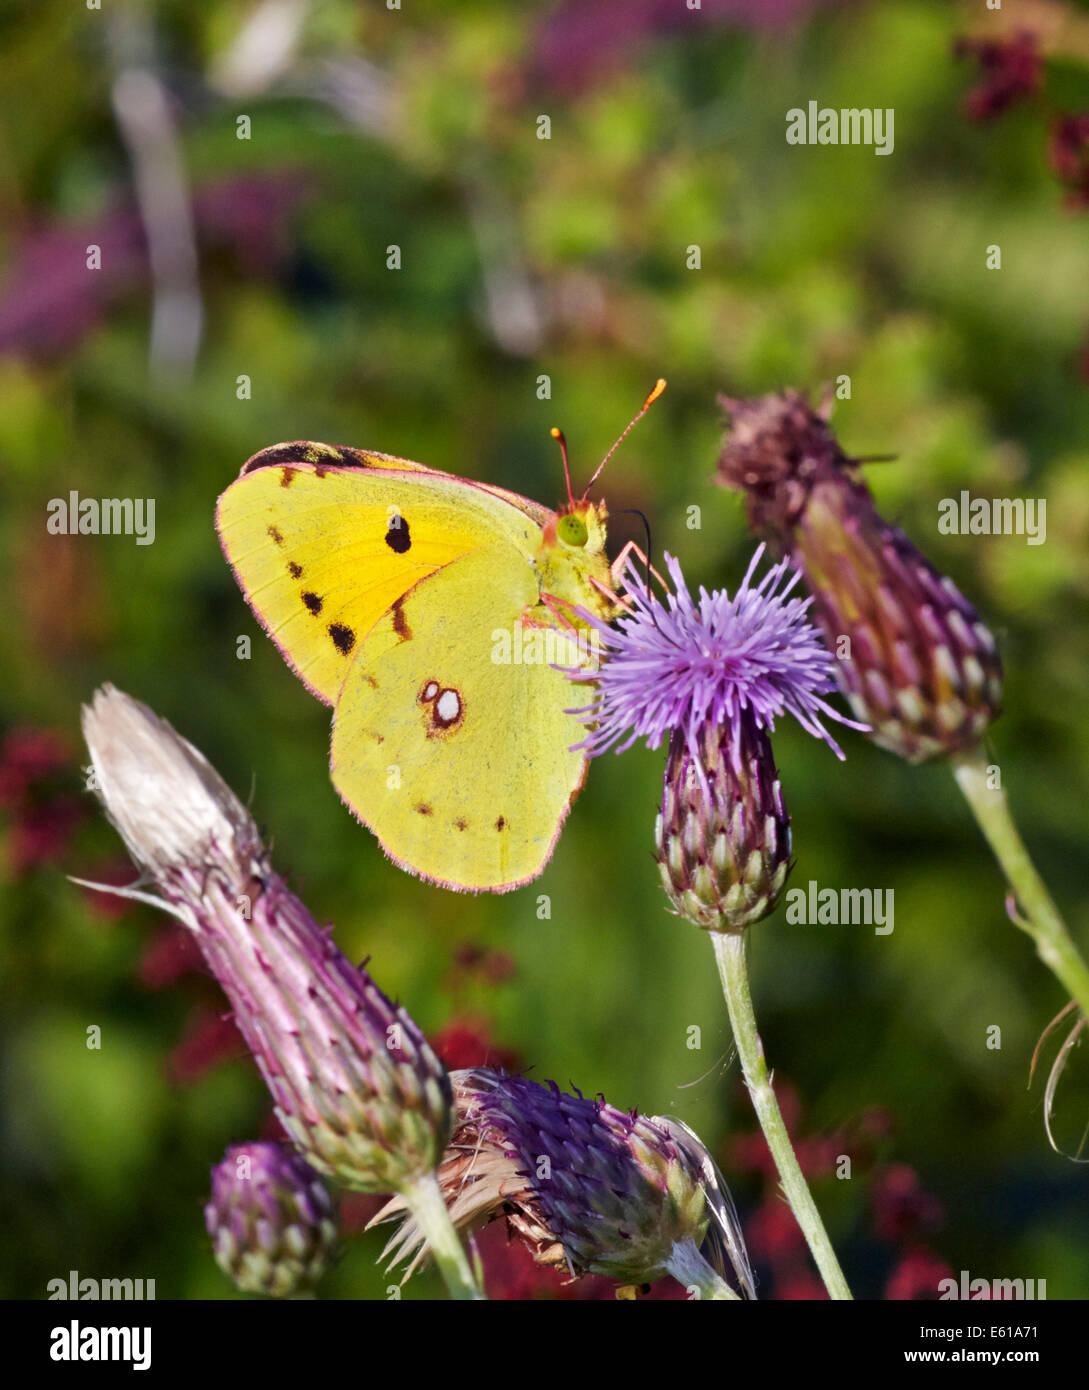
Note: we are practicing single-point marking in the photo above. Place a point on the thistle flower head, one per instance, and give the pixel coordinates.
(271, 1220)
(712, 674)
(354, 1081)
(715, 660)
(584, 1185)
(913, 658)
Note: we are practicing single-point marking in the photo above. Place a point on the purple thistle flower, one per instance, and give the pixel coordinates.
(691, 663)
(712, 674)
(271, 1220)
(586, 1186)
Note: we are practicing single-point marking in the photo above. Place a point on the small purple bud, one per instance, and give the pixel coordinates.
(271, 1220)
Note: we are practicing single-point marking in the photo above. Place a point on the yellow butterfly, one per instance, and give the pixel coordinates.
(430, 612)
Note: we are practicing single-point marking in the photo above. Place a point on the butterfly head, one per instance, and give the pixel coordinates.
(573, 564)
(579, 528)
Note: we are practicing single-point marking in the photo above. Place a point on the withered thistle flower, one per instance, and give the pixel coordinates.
(918, 665)
(711, 675)
(271, 1220)
(587, 1187)
(355, 1083)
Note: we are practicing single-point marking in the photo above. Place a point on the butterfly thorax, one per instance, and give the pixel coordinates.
(572, 565)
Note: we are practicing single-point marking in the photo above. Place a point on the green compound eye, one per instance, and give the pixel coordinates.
(571, 529)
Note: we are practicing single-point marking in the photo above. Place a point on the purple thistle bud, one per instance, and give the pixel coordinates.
(271, 1220)
(586, 1186)
(354, 1081)
(723, 833)
(919, 666)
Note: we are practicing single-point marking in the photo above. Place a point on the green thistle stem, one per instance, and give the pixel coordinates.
(689, 1268)
(733, 972)
(1037, 913)
(424, 1200)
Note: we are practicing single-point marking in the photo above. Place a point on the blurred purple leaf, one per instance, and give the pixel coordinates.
(50, 300)
(584, 40)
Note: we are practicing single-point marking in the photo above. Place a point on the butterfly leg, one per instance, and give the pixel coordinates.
(616, 571)
(557, 607)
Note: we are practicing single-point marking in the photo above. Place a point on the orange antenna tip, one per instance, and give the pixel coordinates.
(659, 387)
(555, 433)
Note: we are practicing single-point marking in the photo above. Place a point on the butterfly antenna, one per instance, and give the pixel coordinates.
(659, 387)
(559, 435)
(876, 458)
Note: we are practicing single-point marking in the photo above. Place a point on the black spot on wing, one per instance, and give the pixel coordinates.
(313, 602)
(277, 538)
(398, 537)
(424, 809)
(500, 823)
(294, 570)
(343, 637)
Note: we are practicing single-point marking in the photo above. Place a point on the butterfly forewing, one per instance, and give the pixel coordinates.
(321, 551)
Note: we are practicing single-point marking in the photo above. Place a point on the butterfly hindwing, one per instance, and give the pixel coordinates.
(459, 763)
(324, 540)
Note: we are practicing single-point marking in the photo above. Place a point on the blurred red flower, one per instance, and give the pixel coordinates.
(211, 1040)
(902, 1210)
(917, 1276)
(467, 1042)
(1010, 69)
(44, 813)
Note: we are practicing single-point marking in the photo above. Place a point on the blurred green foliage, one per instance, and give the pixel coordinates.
(564, 257)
